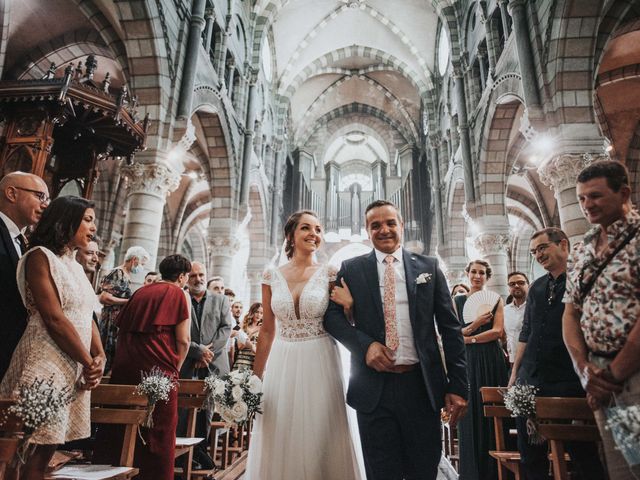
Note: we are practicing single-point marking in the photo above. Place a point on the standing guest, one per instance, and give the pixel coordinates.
(88, 258)
(210, 329)
(542, 359)
(485, 368)
(601, 327)
(116, 291)
(230, 294)
(216, 285)
(60, 341)
(246, 350)
(23, 198)
(153, 331)
(151, 277)
(518, 284)
(459, 289)
(236, 331)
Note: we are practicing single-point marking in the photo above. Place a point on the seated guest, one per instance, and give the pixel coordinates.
(151, 277)
(60, 341)
(115, 292)
(542, 360)
(246, 350)
(216, 285)
(153, 332)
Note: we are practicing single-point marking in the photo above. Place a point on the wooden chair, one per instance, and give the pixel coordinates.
(120, 405)
(555, 415)
(10, 434)
(191, 397)
(508, 461)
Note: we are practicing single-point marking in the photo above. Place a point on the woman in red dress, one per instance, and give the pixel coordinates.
(154, 331)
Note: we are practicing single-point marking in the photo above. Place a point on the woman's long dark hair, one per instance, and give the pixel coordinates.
(59, 223)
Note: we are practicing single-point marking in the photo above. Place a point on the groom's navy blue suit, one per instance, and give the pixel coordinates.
(398, 413)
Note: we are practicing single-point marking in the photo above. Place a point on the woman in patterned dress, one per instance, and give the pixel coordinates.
(61, 343)
(251, 327)
(115, 294)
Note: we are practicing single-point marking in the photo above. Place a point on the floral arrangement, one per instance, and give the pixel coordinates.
(237, 396)
(624, 424)
(520, 400)
(38, 405)
(156, 385)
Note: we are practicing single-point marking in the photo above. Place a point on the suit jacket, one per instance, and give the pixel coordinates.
(14, 315)
(213, 328)
(427, 301)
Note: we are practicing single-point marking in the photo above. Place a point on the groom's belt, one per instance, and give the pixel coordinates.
(405, 368)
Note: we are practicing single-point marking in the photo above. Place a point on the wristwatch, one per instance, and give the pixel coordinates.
(474, 340)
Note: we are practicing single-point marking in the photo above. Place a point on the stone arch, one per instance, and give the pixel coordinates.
(342, 126)
(196, 243)
(165, 242)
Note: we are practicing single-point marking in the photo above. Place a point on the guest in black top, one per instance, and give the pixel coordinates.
(542, 358)
(23, 198)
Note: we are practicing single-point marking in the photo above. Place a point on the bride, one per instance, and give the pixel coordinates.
(303, 433)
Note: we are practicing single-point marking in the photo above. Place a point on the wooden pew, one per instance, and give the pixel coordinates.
(555, 415)
(10, 434)
(191, 397)
(494, 407)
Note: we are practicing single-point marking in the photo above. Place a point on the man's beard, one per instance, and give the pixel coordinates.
(197, 289)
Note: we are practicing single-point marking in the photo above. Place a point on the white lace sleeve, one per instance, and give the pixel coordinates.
(332, 273)
(267, 276)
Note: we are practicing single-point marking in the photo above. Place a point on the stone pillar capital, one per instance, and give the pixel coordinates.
(513, 5)
(154, 179)
(223, 245)
(561, 172)
(492, 243)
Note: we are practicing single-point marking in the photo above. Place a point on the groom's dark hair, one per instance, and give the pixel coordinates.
(381, 203)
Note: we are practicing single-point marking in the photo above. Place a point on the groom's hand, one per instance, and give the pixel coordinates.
(456, 407)
(380, 357)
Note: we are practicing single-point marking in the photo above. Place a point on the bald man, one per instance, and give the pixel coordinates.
(23, 198)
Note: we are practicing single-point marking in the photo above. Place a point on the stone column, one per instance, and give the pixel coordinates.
(491, 47)
(231, 71)
(191, 60)
(248, 145)
(276, 195)
(222, 248)
(463, 129)
(560, 173)
(149, 185)
(504, 15)
(434, 142)
(221, 56)
(518, 10)
(494, 247)
(482, 53)
(208, 29)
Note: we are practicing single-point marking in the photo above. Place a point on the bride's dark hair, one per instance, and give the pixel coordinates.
(290, 227)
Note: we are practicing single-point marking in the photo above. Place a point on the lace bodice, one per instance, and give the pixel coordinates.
(313, 302)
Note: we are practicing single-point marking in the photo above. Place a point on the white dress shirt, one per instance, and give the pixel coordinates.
(513, 318)
(14, 232)
(406, 353)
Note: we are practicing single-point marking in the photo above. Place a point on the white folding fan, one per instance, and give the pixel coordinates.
(479, 303)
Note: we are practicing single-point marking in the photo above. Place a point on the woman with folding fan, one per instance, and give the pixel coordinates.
(482, 317)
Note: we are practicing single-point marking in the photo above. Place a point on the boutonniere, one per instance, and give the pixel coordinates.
(423, 278)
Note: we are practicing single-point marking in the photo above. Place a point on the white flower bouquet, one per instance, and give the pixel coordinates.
(520, 400)
(156, 385)
(624, 424)
(237, 396)
(40, 404)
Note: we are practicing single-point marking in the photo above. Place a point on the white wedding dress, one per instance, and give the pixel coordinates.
(303, 433)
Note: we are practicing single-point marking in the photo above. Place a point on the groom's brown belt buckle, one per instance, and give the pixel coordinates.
(405, 368)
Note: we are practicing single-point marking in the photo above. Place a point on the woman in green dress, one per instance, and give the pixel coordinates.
(486, 367)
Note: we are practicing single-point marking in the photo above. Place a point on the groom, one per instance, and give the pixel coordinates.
(398, 381)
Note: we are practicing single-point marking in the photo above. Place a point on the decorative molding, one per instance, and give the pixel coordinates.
(561, 172)
(223, 246)
(155, 179)
(492, 243)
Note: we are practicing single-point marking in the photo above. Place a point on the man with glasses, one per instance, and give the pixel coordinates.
(601, 327)
(514, 312)
(23, 198)
(542, 359)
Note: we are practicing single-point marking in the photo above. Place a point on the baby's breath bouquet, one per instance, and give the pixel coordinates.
(237, 396)
(156, 385)
(520, 400)
(38, 405)
(624, 424)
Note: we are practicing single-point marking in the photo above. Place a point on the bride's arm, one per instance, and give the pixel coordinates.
(267, 333)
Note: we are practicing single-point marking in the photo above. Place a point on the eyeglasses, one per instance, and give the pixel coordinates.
(43, 197)
(519, 283)
(541, 248)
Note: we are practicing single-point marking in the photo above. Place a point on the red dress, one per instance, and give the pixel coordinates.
(147, 339)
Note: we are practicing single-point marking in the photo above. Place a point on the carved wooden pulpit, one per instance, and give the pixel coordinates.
(60, 126)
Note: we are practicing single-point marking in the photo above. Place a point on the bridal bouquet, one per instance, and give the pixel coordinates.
(38, 405)
(624, 424)
(156, 385)
(520, 400)
(237, 396)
